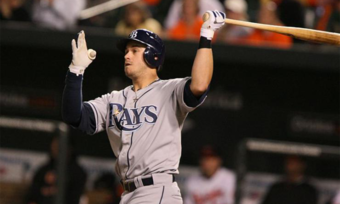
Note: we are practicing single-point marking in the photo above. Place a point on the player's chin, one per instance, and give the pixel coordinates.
(127, 69)
(128, 72)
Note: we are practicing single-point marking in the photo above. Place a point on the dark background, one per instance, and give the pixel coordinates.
(288, 95)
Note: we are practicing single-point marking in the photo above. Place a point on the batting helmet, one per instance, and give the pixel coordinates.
(155, 49)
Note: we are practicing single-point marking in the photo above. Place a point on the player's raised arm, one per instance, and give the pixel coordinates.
(202, 69)
(73, 108)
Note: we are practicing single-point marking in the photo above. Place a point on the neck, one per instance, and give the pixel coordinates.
(143, 81)
(208, 175)
(295, 177)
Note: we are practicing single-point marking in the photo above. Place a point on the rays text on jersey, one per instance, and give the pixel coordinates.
(131, 119)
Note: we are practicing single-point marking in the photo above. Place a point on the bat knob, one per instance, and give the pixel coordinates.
(206, 16)
(91, 54)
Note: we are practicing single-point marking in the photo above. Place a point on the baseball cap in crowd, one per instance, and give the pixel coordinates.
(237, 6)
(209, 151)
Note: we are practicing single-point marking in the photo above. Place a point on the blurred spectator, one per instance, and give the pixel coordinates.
(328, 15)
(57, 14)
(292, 13)
(214, 184)
(152, 5)
(268, 15)
(151, 2)
(335, 199)
(137, 16)
(107, 183)
(237, 10)
(175, 13)
(13, 10)
(334, 21)
(43, 188)
(189, 25)
(294, 188)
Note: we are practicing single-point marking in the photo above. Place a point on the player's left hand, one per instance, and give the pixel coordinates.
(214, 22)
(81, 56)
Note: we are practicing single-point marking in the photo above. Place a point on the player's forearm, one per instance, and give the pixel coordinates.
(72, 99)
(202, 69)
(72, 96)
(74, 111)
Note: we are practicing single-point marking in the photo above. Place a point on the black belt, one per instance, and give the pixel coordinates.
(130, 186)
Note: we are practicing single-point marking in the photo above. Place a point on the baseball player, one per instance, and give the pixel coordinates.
(144, 120)
(214, 184)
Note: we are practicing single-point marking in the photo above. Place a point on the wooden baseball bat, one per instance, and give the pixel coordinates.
(300, 33)
(103, 7)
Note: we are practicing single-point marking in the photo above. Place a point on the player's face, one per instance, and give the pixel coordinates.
(134, 65)
(294, 166)
(209, 165)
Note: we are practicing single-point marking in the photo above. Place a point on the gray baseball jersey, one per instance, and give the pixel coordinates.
(144, 127)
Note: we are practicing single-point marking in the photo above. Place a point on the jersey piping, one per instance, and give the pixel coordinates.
(127, 158)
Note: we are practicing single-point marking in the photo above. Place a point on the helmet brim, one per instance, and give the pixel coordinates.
(121, 44)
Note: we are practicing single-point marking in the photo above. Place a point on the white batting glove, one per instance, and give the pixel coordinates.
(82, 57)
(213, 23)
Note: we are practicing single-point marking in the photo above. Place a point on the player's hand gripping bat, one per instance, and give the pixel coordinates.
(300, 33)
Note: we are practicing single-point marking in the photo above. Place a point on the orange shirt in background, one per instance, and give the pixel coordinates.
(152, 2)
(271, 39)
(182, 31)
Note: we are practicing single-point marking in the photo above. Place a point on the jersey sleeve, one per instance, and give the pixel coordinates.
(185, 98)
(100, 109)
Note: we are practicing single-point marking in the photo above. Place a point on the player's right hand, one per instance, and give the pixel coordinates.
(216, 19)
(81, 57)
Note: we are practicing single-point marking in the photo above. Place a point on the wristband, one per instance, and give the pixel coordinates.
(204, 43)
(77, 70)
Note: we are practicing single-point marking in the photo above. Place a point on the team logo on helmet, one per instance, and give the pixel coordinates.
(133, 34)
(154, 51)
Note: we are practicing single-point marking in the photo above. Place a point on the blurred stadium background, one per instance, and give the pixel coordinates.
(264, 103)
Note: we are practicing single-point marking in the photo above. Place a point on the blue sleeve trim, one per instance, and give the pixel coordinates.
(94, 109)
(190, 99)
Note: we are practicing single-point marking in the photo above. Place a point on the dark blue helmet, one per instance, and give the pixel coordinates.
(155, 49)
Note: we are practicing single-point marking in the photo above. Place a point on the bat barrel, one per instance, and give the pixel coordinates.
(300, 33)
